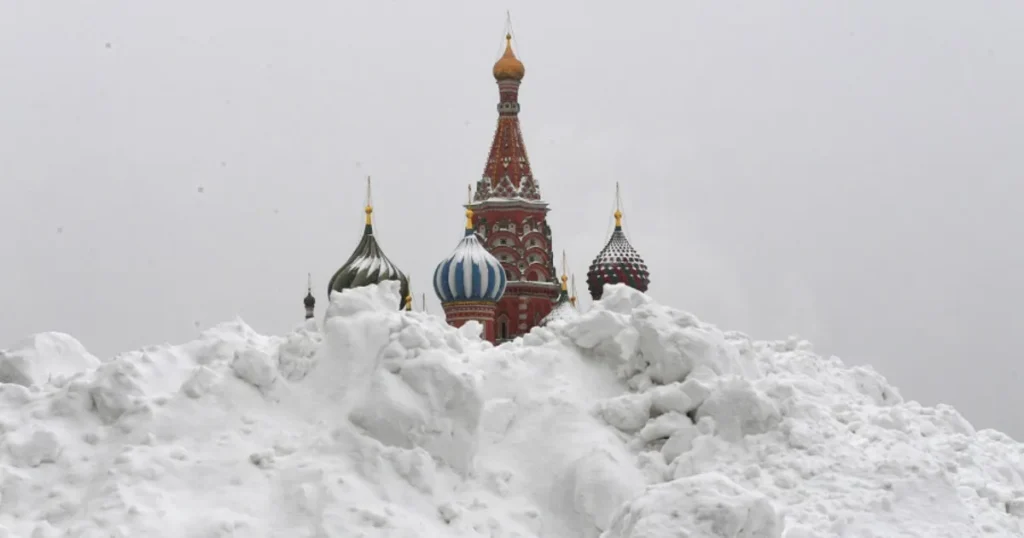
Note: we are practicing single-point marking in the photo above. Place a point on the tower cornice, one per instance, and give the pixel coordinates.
(508, 203)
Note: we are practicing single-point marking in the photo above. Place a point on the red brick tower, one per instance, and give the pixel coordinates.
(510, 216)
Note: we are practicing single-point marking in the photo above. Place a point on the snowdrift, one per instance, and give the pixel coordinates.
(633, 421)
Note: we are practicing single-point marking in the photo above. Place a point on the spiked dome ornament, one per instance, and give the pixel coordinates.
(368, 264)
(618, 262)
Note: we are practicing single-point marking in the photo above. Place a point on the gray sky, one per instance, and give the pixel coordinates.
(843, 171)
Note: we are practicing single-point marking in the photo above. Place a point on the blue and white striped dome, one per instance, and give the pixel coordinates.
(470, 274)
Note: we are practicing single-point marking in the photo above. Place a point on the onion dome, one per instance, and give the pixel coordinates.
(508, 67)
(470, 273)
(565, 308)
(309, 302)
(368, 265)
(618, 262)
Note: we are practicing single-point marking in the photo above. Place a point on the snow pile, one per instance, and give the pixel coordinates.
(631, 421)
(37, 359)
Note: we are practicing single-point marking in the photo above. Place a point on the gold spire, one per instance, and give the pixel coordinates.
(369, 203)
(618, 209)
(469, 212)
(508, 67)
(565, 278)
(572, 295)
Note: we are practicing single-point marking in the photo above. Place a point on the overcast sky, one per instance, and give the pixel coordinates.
(847, 171)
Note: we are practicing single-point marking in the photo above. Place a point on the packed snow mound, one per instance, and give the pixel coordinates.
(41, 357)
(633, 420)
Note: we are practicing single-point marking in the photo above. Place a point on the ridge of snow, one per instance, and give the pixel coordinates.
(633, 420)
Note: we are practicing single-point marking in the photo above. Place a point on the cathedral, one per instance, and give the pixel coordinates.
(502, 273)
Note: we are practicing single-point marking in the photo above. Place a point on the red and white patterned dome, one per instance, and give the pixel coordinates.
(618, 262)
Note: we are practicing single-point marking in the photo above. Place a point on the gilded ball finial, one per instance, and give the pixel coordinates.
(469, 219)
(618, 218)
(565, 282)
(369, 212)
(508, 67)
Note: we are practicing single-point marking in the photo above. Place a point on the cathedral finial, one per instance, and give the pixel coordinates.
(469, 212)
(565, 277)
(572, 294)
(618, 208)
(369, 203)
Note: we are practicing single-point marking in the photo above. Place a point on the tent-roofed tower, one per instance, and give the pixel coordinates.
(509, 214)
(618, 261)
(368, 264)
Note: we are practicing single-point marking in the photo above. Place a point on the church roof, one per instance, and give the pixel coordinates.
(368, 265)
(565, 305)
(564, 310)
(508, 67)
(618, 262)
(470, 273)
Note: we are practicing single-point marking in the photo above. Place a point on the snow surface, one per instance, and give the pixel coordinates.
(633, 421)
